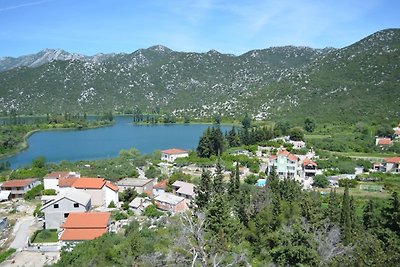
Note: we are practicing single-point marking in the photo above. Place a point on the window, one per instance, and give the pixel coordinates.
(76, 205)
(55, 206)
(66, 215)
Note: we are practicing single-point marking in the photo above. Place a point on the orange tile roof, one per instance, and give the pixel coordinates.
(161, 185)
(309, 162)
(89, 183)
(66, 182)
(287, 154)
(53, 175)
(384, 141)
(82, 234)
(112, 186)
(272, 157)
(17, 183)
(83, 220)
(174, 151)
(392, 160)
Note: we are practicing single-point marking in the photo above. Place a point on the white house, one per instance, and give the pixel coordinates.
(183, 189)
(287, 165)
(101, 191)
(57, 210)
(172, 154)
(51, 180)
(392, 164)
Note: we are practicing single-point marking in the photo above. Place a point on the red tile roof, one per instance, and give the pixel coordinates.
(392, 160)
(174, 151)
(384, 141)
(161, 185)
(83, 220)
(82, 234)
(287, 154)
(309, 162)
(89, 183)
(17, 183)
(112, 186)
(66, 182)
(272, 157)
(53, 175)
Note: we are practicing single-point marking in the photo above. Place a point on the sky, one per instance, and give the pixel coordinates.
(228, 26)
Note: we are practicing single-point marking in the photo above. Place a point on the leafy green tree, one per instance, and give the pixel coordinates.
(152, 212)
(296, 134)
(233, 138)
(320, 181)
(39, 162)
(385, 130)
(152, 172)
(203, 191)
(309, 125)
(130, 153)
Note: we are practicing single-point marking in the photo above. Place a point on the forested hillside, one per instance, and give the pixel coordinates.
(350, 84)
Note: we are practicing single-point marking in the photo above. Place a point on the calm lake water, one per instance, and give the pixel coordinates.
(74, 145)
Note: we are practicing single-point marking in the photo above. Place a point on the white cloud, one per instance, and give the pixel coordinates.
(23, 5)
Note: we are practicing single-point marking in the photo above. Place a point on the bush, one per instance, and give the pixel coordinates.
(49, 192)
(351, 182)
(37, 212)
(152, 212)
(31, 194)
(112, 205)
(320, 181)
(251, 179)
(120, 216)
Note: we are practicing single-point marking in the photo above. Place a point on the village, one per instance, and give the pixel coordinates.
(73, 209)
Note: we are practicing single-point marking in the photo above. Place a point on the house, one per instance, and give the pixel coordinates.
(391, 164)
(81, 226)
(397, 133)
(140, 185)
(297, 144)
(286, 164)
(51, 180)
(57, 210)
(383, 142)
(5, 195)
(18, 188)
(183, 189)
(101, 191)
(159, 188)
(378, 167)
(139, 204)
(66, 183)
(309, 168)
(170, 202)
(172, 154)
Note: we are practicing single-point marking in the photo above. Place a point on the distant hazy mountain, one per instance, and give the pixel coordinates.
(357, 82)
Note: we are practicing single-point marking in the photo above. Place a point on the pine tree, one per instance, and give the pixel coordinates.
(273, 181)
(203, 191)
(392, 214)
(346, 216)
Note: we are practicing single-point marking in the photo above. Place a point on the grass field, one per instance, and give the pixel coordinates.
(46, 236)
(357, 193)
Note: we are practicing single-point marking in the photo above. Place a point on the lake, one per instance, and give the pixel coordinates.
(106, 142)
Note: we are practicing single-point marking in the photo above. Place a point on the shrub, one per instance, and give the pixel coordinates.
(49, 192)
(152, 212)
(5, 254)
(321, 181)
(112, 205)
(351, 182)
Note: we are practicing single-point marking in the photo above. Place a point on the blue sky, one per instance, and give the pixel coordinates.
(229, 26)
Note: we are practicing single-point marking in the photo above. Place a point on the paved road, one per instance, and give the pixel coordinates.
(21, 232)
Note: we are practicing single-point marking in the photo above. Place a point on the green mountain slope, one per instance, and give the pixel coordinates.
(357, 82)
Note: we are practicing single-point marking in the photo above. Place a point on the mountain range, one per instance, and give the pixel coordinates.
(359, 82)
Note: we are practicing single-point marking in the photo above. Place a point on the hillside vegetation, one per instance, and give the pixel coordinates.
(355, 83)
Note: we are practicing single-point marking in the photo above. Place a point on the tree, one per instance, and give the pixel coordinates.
(385, 130)
(320, 181)
(152, 172)
(234, 182)
(333, 211)
(370, 219)
(217, 119)
(39, 162)
(203, 191)
(392, 214)
(309, 125)
(233, 138)
(346, 216)
(296, 134)
(218, 183)
(246, 122)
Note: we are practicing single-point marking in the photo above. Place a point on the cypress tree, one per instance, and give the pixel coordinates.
(203, 191)
(333, 212)
(218, 178)
(345, 219)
